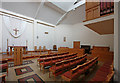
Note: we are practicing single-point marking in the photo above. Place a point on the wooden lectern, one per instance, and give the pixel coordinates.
(24, 49)
(18, 55)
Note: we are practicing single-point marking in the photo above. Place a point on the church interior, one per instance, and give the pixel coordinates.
(59, 41)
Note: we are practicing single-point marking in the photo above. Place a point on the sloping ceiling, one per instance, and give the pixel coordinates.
(102, 27)
(48, 12)
(75, 16)
(49, 15)
(25, 8)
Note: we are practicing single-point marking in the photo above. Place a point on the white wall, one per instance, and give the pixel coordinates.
(82, 33)
(21, 41)
(44, 39)
(55, 36)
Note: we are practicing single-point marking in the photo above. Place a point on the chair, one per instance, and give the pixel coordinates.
(4, 65)
(44, 48)
(35, 48)
(40, 49)
(54, 48)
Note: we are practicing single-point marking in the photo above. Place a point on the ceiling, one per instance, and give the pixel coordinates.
(102, 27)
(50, 12)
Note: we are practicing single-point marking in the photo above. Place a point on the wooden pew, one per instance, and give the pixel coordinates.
(104, 73)
(66, 65)
(73, 74)
(52, 60)
(103, 53)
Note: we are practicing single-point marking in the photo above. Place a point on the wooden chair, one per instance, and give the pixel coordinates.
(44, 48)
(35, 48)
(40, 49)
(4, 65)
(54, 48)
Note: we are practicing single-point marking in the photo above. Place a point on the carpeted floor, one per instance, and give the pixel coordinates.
(30, 72)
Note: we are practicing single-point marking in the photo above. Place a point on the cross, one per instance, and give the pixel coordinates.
(16, 30)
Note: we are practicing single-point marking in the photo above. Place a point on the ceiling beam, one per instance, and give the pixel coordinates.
(39, 8)
(61, 19)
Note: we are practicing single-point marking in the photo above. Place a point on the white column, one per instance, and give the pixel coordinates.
(117, 41)
(35, 33)
(0, 33)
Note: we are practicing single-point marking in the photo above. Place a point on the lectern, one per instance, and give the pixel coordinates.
(24, 49)
(18, 55)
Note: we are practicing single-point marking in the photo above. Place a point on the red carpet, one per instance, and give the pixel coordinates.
(31, 78)
(23, 70)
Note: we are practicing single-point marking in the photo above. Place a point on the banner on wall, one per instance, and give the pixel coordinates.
(16, 27)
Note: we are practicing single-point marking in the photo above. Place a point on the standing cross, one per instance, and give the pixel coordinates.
(16, 30)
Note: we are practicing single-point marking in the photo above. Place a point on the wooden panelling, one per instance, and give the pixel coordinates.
(76, 44)
(90, 5)
(89, 14)
(96, 12)
(93, 13)
(71, 50)
(103, 53)
(96, 9)
(92, 9)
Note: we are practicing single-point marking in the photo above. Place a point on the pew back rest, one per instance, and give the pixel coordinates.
(66, 61)
(42, 56)
(3, 61)
(78, 58)
(75, 70)
(72, 60)
(59, 63)
(47, 60)
(54, 58)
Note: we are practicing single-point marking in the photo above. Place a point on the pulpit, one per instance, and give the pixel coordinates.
(24, 49)
(18, 55)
